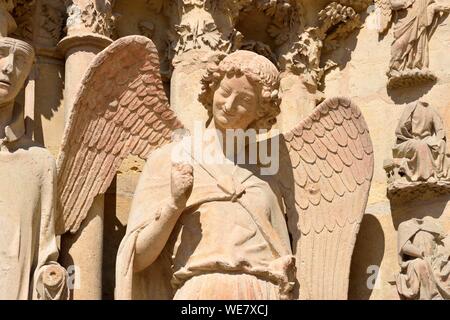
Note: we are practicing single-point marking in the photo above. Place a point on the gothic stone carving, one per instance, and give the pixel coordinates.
(204, 25)
(211, 26)
(37, 22)
(52, 21)
(424, 257)
(304, 54)
(145, 123)
(28, 250)
(7, 22)
(420, 155)
(23, 15)
(95, 17)
(327, 162)
(414, 23)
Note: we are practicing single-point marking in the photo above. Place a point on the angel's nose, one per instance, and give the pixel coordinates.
(229, 104)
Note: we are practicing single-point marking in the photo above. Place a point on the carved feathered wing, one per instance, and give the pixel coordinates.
(120, 109)
(385, 9)
(326, 194)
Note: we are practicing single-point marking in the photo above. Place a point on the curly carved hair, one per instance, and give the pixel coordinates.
(259, 71)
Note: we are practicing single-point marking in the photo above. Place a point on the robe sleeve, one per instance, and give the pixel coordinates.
(48, 245)
(403, 130)
(401, 4)
(406, 230)
(153, 188)
(438, 126)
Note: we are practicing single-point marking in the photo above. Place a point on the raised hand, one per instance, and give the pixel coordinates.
(182, 181)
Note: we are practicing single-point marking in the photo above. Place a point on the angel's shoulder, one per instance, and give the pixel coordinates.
(37, 154)
(35, 149)
(162, 156)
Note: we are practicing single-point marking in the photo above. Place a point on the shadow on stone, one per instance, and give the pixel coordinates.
(406, 95)
(418, 209)
(369, 251)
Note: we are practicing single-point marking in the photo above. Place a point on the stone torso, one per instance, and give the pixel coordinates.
(22, 175)
(222, 236)
(422, 122)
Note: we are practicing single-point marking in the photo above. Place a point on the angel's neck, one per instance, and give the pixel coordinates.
(6, 115)
(235, 146)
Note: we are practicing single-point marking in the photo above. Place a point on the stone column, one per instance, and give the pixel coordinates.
(40, 23)
(185, 87)
(89, 28)
(298, 57)
(88, 33)
(79, 51)
(204, 33)
(298, 101)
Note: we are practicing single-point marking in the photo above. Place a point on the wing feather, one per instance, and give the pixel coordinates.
(385, 14)
(121, 102)
(332, 160)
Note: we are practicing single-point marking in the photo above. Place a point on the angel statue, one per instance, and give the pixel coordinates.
(201, 229)
(28, 246)
(415, 22)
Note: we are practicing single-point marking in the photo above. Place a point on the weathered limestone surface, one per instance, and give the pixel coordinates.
(364, 80)
(29, 252)
(322, 49)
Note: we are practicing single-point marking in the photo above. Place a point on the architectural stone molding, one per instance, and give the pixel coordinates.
(93, 16)
(23, 14)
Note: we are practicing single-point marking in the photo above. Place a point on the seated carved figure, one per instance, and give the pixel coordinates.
(28, 246)
(421, 143)
(424, 252)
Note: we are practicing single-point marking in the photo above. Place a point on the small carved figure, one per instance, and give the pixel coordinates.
(28, 249)
(420, 150)
(424, 251)
(415, 21)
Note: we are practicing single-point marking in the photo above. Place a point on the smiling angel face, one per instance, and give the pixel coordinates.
(16, 59)
(241, 92)
(235, 103)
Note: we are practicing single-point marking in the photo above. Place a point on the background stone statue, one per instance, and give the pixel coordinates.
(415, 21)
(28, 249)
(420, 150)
(424, 255)
(7, 22)
(199, 230)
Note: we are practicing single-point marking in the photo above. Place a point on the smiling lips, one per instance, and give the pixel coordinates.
(5, 82)
(227, 113)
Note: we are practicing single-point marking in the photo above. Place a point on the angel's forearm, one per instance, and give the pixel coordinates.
(152, 239)
(398, 4)
(439, 7)
(411, 250)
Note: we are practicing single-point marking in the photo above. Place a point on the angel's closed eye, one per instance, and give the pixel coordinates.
(225, 90)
